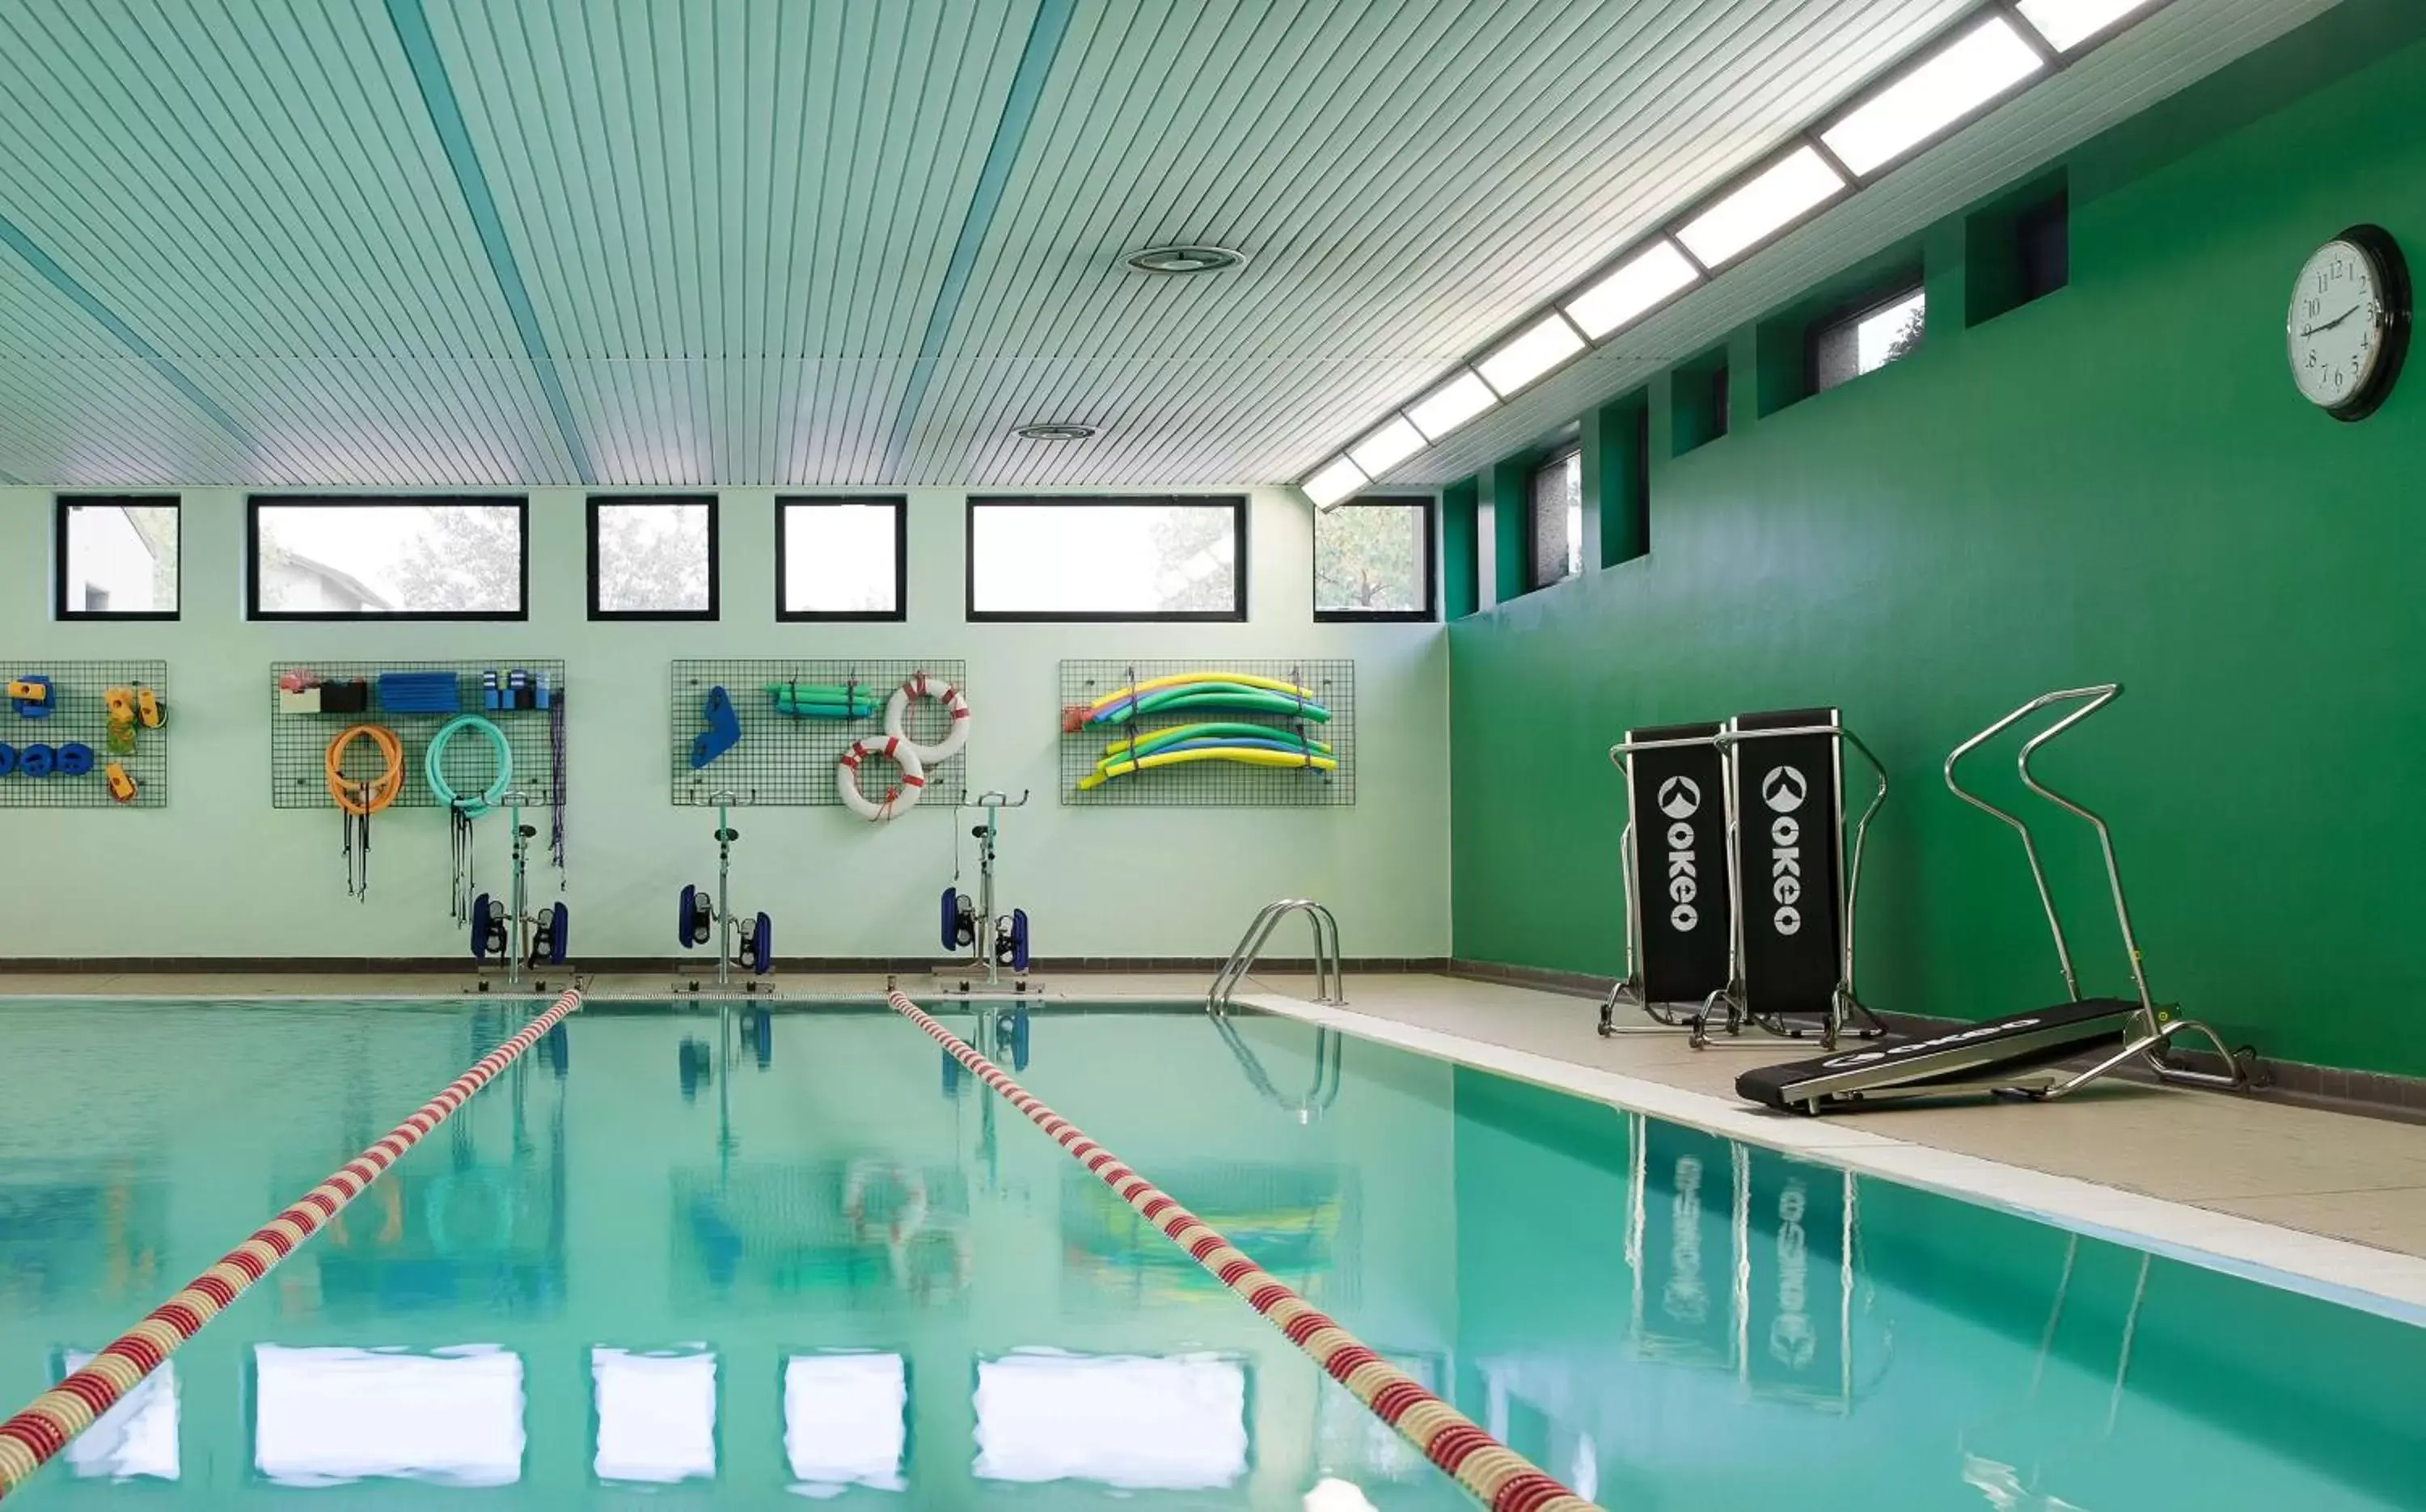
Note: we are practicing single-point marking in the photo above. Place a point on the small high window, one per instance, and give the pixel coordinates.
(652, 559)
(1107, 558)
(1556, 501)
(1373, 560)
(116, 557)
(389, 558)
(842, 558)
(1865, 339)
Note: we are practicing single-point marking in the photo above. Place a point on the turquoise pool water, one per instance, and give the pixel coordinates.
(680, 1259)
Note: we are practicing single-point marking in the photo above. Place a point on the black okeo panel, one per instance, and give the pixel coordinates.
(1788, 832)
(1681, 863)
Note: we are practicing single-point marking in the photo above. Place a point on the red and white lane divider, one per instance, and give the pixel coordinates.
(1494, 1474)
(55, 1417)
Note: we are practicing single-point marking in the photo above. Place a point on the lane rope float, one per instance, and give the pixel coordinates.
(358, 800)
(897, 714)
(1493, 1473)
(898, 800)
(52, 1421)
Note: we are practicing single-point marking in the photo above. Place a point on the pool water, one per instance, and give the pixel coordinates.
(703, 1258)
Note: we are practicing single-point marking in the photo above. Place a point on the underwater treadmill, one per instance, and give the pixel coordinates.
(2028, 1054)
(2021, 1052)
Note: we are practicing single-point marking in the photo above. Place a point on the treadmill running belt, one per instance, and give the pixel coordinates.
(1976, 1053)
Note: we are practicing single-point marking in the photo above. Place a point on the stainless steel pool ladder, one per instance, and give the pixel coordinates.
(1328, 987)
(1316, 1099)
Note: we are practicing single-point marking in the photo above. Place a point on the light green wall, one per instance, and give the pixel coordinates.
(2116, 482)
(220, 873)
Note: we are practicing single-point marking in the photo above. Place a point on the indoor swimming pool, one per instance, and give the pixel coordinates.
(716, 1256)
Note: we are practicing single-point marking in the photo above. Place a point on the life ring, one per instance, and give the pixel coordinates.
(896, 800)
(897, 710)
(366, 798)
(909, 1211)
(913, 1271)
(437, 1201)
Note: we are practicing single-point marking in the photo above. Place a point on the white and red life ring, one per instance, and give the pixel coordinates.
(896, 711)
(898, 800)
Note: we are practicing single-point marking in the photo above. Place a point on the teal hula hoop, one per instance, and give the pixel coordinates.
(471, 808)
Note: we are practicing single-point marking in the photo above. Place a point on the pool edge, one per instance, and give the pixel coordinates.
(2381, 1281)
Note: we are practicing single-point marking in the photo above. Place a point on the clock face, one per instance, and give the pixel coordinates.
(2349, 314)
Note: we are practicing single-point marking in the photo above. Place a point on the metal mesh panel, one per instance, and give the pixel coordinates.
(79, 717)
(783, 761)
(299, 743)
(1211, 784)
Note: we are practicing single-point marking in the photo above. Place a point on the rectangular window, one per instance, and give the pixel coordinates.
(1556, 500)
(116, 557)
(846, 1422)
(389, 558)
(1373, 560)
(1867, 339)
(652, 559)
(1137, 1422)
(1107, 558)
(654, 1415)
(2043, 247)
(842, 558)
(135, 1439)
(332, 1415)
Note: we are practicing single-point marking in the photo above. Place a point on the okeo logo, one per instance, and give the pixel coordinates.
(1680, 798)
(1785, 790)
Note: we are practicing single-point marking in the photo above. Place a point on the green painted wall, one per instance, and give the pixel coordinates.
(2114, 482)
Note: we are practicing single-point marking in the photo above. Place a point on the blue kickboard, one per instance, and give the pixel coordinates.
(723, 730)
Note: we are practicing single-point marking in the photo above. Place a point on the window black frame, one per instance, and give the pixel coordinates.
(1431, 611)
(255, 504)
(1237, 614)
(60, 505)
(1851, 313)
(715, 557)
(899, 504)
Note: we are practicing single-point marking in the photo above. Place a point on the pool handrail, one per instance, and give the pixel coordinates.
(1329, 987)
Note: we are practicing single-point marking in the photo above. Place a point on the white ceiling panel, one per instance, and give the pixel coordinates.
(832, 243)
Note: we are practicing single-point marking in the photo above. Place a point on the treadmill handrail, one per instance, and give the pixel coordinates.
(2092, 699)
(2105, 838)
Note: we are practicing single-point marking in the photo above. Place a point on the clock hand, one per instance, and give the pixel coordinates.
(2335, 321)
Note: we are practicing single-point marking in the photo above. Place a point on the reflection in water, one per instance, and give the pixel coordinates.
(331, 1416)
(1292, 1220)
(655, 1415)
(138, 1437)
(1644, 1311)
(867, 1225)
(846, 1422)
(1126, 1421)
(96, 1236)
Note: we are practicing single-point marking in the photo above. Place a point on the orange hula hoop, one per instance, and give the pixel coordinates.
(365, 798)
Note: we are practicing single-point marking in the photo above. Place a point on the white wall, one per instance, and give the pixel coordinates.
(220, 873)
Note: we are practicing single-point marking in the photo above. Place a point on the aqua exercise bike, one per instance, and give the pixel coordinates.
(2036, 1054)
(746, 940)
(509, 929)
(995, 943)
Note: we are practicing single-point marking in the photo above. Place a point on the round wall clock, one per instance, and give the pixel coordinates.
(2349, 324)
